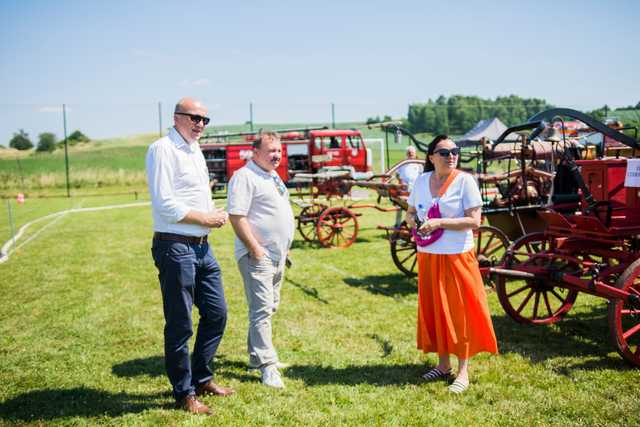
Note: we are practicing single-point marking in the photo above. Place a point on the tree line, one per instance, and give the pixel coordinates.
(457, 114)
(46, 141)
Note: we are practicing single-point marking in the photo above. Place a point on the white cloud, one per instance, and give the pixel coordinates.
(51, 109)
(201, 82)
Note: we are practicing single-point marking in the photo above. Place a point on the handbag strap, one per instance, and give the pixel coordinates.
(448, 182)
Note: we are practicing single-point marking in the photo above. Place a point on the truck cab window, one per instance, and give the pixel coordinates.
(354, 141)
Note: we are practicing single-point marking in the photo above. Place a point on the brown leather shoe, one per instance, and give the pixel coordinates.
(212, 388)
(193, 405)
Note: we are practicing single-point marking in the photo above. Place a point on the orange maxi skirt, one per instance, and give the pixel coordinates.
(453, 315)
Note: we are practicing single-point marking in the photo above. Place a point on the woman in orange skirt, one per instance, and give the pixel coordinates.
(453, 315)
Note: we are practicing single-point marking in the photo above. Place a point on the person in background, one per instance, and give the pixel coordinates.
(407, 174)
(453, 315)
(261, 216)
(183, 215)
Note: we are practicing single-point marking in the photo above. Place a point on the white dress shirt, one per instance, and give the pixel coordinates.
(178, 181)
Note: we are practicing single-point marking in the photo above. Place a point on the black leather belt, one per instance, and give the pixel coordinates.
(180, 238)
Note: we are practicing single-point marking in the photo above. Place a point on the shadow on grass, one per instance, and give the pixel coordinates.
(307, 290)
(299, 243)
(380, 375)
(50, 404)
(391, 285)
(577, 336)
(151, 366)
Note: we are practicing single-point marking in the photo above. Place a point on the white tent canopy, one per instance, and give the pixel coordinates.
(489, 128)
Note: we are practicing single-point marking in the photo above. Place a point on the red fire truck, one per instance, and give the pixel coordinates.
(303, 150)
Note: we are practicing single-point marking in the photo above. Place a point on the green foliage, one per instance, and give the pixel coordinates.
(600, 114)
(21, 141)
(457, 114)
(47, 142)
(377, 119)
(76, 137)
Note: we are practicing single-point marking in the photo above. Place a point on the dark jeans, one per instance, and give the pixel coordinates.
(189, 274)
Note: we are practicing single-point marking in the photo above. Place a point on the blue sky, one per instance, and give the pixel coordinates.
(111, 62)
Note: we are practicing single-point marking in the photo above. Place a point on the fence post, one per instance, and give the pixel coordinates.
(20, 171)
(160, 119)
(66, 152)
(251, 116)
(333, 115)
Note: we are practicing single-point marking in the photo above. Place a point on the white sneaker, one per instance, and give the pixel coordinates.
(271, 377)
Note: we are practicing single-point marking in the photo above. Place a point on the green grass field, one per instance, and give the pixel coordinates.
(81, 339)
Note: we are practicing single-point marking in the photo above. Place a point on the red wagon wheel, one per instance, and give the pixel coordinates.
(337, 227)
(624, 316)
(535, 301)
(491, 246)
(307, 221)
(403, 250)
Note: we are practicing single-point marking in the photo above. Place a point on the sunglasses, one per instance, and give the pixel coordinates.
(445, 152)
(196, 118)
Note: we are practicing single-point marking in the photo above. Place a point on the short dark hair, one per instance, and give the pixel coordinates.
(270, 134)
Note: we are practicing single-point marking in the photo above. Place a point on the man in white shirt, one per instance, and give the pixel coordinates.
(183, 215)
(261, 216)
(409, 172)
(407, 175)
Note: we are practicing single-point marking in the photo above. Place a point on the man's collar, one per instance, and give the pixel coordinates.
(254, 167)
(180, 142)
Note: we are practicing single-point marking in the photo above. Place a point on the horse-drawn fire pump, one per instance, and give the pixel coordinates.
(591, 239)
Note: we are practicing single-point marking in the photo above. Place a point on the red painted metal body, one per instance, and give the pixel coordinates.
(305, 152)
(588, 250)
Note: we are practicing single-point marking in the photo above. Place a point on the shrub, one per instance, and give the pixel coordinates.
(47, 142)
(21, 141)
(76, 137)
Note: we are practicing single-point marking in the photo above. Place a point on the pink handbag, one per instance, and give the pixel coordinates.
(434, 212)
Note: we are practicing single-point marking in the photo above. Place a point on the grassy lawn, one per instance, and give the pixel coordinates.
(81, 340)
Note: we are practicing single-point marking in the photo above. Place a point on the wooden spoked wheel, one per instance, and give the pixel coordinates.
(337, 227)
(624, 316)
(491, 245)
(307, 221)
(535, 301)
(403, 250)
